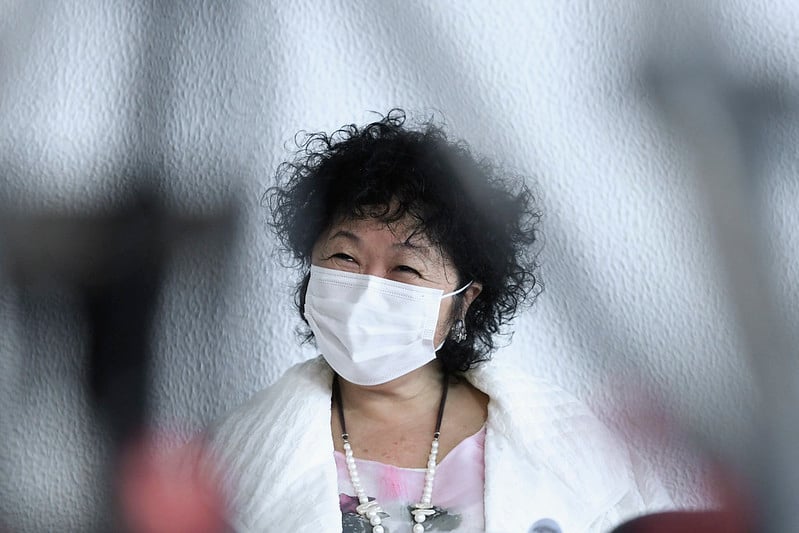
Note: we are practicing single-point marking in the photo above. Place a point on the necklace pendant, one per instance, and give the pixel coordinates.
(420, 512)
(369, 508)
(371, 511)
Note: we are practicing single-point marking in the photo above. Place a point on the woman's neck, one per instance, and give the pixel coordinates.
(404, 397)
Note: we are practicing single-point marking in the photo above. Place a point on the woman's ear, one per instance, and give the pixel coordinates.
(469, 295)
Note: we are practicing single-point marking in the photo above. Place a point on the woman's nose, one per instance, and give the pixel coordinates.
(374, 269)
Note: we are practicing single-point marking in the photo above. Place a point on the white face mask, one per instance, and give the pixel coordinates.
(372, 330)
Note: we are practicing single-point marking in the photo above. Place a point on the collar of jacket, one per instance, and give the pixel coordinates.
(545, 456)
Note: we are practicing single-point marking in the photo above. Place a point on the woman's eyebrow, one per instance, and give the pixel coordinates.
(418, 249)
(342, 233)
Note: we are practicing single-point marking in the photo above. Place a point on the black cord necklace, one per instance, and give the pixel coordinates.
(370, 509)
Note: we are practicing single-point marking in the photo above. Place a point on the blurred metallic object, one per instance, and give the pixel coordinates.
(115, 262)
(114, 257)
(722, 120)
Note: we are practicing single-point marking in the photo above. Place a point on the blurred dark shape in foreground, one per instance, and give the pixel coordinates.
(722, 119)
(115, 262)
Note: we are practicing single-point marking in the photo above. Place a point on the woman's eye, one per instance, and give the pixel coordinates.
(343, 257)
(409, 270)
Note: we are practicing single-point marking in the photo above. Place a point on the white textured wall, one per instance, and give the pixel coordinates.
(553, 88)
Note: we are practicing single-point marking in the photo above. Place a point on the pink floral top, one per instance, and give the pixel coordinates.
(457, 492)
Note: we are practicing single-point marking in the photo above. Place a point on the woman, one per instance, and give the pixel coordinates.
(414, 254)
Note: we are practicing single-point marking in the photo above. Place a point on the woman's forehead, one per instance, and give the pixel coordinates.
(406, 230)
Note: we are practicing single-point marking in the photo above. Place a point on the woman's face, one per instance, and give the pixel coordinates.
(370, 246)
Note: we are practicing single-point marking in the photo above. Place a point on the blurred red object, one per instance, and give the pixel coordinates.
(735, 514)
(689, 521)
(161, 490)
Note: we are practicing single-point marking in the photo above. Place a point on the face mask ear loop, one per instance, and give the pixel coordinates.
(453, 293)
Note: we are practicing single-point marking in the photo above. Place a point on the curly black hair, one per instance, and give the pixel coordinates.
(483, 219)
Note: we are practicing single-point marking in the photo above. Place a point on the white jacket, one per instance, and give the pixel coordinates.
(546, 456)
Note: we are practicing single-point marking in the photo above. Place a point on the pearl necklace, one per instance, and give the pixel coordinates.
(371, 508)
